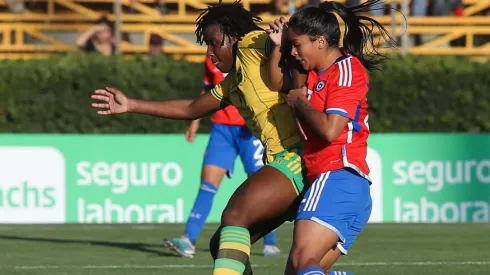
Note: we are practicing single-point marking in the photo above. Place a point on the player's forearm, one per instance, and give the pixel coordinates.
(172, 109)
(276, 75)
(299, 75)
(197, 121)
(317, 121)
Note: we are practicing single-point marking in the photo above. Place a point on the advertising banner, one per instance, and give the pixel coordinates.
(155, 178)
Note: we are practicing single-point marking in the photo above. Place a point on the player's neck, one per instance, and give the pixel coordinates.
(327, 59)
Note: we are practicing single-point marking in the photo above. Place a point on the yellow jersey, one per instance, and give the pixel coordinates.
(266, 112)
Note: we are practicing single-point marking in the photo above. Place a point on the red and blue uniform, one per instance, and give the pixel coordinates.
(339, 196)
(229, 136)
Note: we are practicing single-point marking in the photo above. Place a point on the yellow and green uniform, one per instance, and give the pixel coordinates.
(266, 112)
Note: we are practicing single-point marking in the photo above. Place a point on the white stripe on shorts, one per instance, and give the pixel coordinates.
(313, 190)
(315, 193)
(317, 199)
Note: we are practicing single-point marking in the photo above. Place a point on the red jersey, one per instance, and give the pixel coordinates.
(230, 114)
(341, 89)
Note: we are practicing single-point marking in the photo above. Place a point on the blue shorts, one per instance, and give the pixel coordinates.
(341, 201)
(226, 142)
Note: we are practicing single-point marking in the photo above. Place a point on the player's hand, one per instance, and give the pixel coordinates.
(190, 134)
(295, 94)
(113, 101)
(277, 31)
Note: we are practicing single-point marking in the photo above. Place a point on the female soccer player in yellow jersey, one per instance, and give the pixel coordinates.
(239, 47)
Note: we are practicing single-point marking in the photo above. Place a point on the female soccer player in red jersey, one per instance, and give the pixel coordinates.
(333, 112)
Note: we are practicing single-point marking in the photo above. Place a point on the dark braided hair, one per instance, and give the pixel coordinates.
(233, 19)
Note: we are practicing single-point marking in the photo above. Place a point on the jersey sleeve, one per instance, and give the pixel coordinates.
(255, 47)
(347, 90)
(222, 91)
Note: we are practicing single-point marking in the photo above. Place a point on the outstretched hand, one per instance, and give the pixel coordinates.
(190, 134)
(277, 31)
(113, 101)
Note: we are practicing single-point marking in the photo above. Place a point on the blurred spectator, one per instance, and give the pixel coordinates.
(15, 6)
(99, 38)
(161, 7)
(444, 7)
(419, 8)
(130, 8)
(156, 44)
(277, 7)
(447, 8)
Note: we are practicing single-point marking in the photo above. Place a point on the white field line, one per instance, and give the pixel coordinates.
(191, 266)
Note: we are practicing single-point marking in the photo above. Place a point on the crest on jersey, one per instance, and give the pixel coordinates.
(320, 85)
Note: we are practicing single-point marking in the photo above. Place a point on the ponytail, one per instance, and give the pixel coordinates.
(358, 29)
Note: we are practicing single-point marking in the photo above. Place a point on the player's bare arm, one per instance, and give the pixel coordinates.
(329, 127)
(116, 102)
(276, 65)
(299, 75)
(190, 133)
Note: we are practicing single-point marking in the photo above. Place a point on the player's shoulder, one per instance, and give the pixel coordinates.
(346, 71)
(254, 39)
(254, 47)
(347, 63)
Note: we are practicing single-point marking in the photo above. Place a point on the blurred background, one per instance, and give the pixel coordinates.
(82, 193)
(41, 28)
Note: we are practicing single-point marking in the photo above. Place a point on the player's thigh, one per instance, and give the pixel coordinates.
(290, 163)
(265, 195)
(356, 227)
(251, 151)
(339, 201)
(259, 230)
(220, 154)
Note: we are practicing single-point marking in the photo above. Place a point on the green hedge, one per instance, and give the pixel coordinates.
(430, 94)
(410, 94)
(53, 95)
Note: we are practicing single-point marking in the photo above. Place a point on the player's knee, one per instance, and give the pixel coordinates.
(234, 216)
(302, 258)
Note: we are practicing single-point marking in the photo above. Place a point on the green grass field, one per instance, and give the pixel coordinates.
(392, 249)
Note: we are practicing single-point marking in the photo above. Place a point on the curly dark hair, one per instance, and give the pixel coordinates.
(234, 20)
